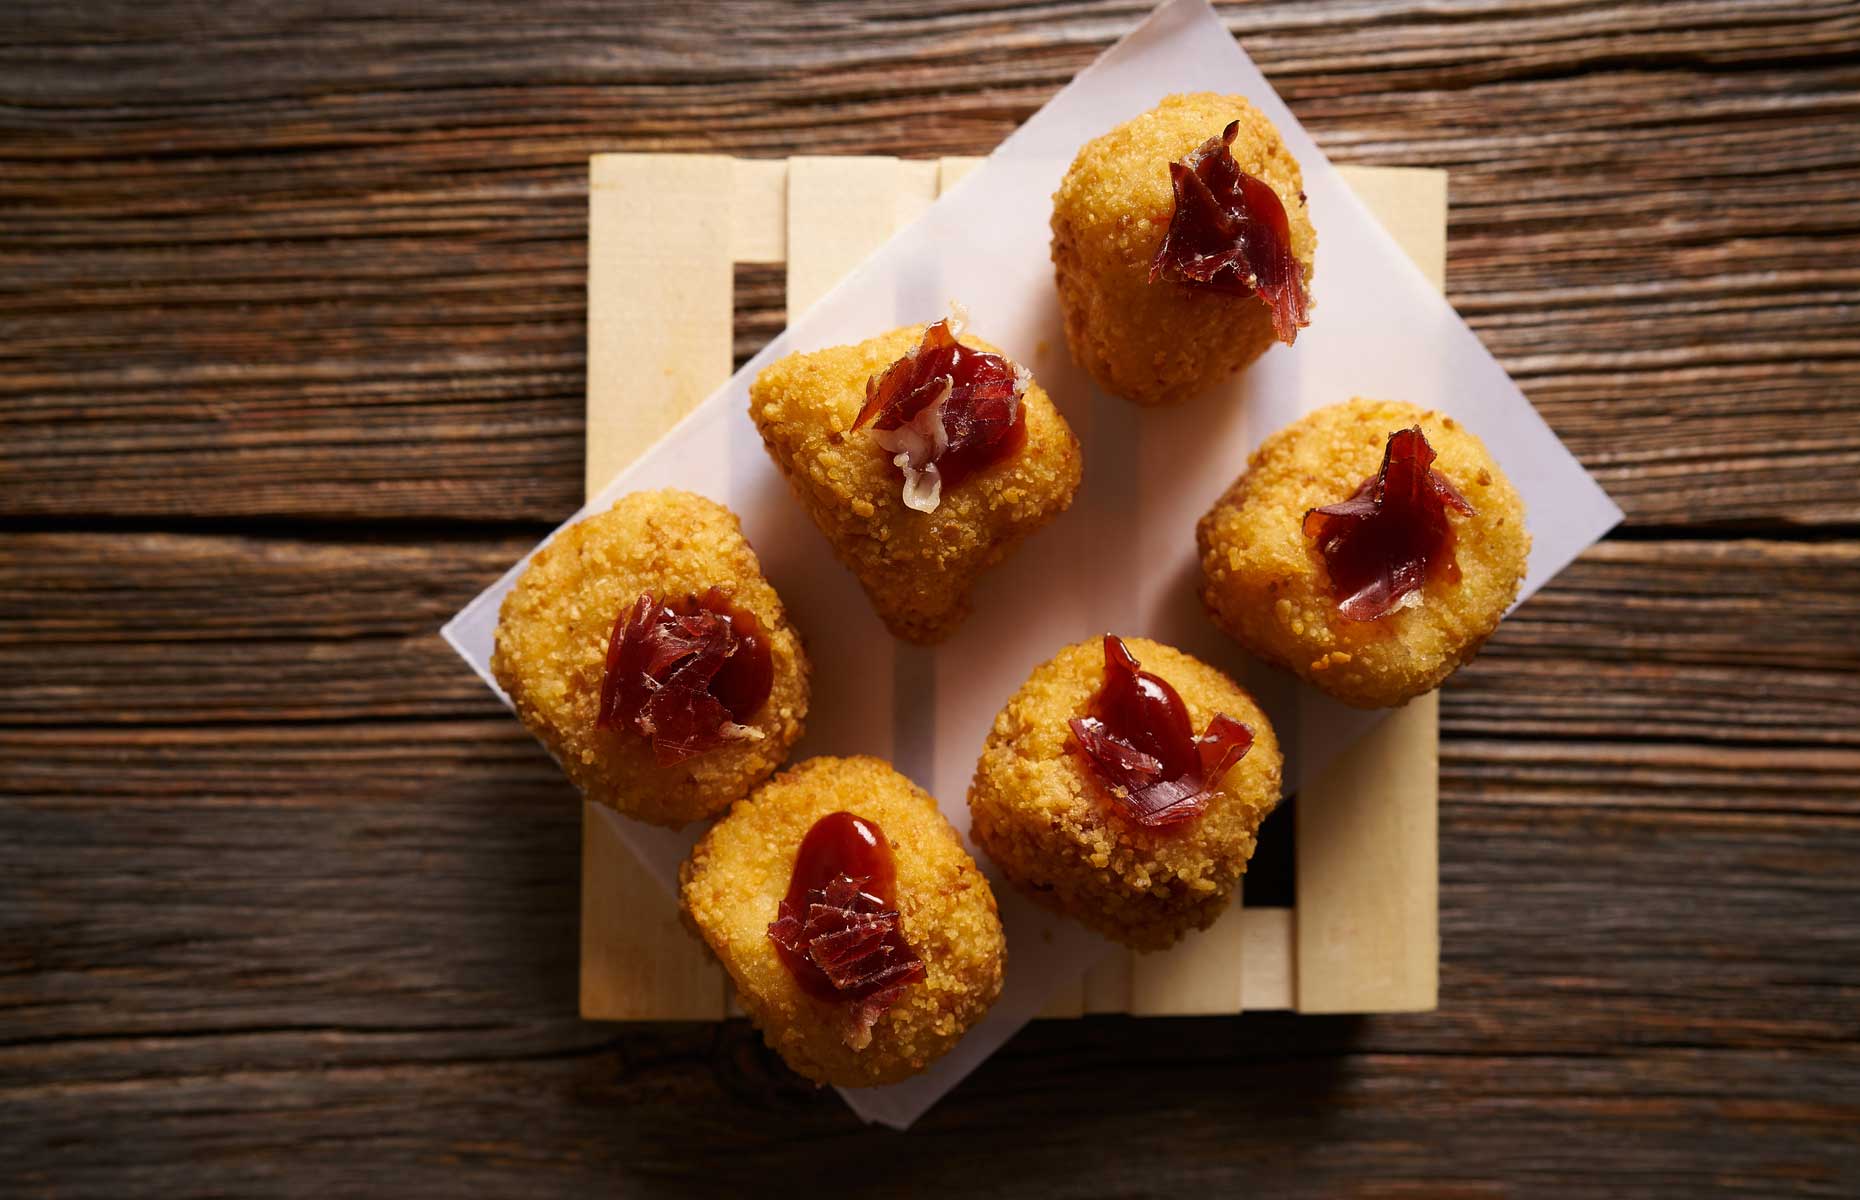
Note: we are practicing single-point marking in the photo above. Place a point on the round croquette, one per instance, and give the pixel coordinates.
(1264, 581)
(917, 568)
(1154, 343)
(734, 881)
(551, 651)
(1041, 813)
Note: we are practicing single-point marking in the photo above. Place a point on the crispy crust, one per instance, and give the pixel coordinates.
(1041, 815)
(1264, 583)
(551, 651)
(737, 875)
(1163, 342)
(917, 568)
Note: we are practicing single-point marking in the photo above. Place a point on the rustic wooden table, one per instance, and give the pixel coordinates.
(291, 326)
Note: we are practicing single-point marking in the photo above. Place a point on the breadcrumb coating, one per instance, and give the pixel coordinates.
(1264, 582)
(1156, 343)
(551, 651)
(734, 881)
(918, 568)
(1040, 813)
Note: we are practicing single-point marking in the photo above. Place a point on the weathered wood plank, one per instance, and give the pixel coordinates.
(1320, 1122)
(1715, 643)
(161, 627)
(302, 279)
(1711, 643)
(271, 942)
(183, 890)
(259, 59)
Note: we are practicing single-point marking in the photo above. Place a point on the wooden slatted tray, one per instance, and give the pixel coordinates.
(665, 232)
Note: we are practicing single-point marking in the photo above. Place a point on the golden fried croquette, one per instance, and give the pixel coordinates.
(1154, 343)
(552, 640)
(736, 877)
(917, 567)
(1039, 810)
(1265, 583)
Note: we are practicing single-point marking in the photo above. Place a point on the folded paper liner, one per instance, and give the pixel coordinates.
(1122, 559)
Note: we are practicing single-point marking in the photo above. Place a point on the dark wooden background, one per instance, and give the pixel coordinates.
(291, 321)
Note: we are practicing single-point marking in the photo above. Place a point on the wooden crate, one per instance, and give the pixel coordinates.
(665, 232)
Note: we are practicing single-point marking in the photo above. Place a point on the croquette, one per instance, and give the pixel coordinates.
(1042, 813)
(1265, 582)
(553, 637)
(733, 885)
(917, 567)
(1160, 342)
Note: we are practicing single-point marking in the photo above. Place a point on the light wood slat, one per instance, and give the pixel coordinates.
(1208, 971)
(1067, 1001)
(1107, 984)
(1072, 1000)
(1269, 938)
(1367, 842)
(1369, 873)
(638, 962)
(839, 211)
(1411, 203)
(660, 315)
(660, 287)
(1200, 976)
(1244, 962)
(1111, 992)
(759, 210)
(824, 217)
(842, 209)
(952, 171)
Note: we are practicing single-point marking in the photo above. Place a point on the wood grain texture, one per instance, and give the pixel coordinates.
(1576, 1006)
(375, 225)
(1726, 646)
(291, 326)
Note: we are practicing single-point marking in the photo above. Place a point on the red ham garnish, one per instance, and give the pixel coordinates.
(837, 929)
(687, 674)
(1138, 739)
(1382, 544)
(944, 411)
(1230, 234)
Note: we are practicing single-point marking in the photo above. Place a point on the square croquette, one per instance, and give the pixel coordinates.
(1039, 810)
(552, 640)
(735, 880)
(1265, 583)
(918, 568)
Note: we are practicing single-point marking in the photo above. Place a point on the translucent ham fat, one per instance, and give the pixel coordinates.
(1230, 234)
(837, 929)
(943, 412)
(688, 675)
(1137, 737)
(1382, 545)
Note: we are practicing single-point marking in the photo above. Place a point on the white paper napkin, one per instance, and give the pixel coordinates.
(1123, 558)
